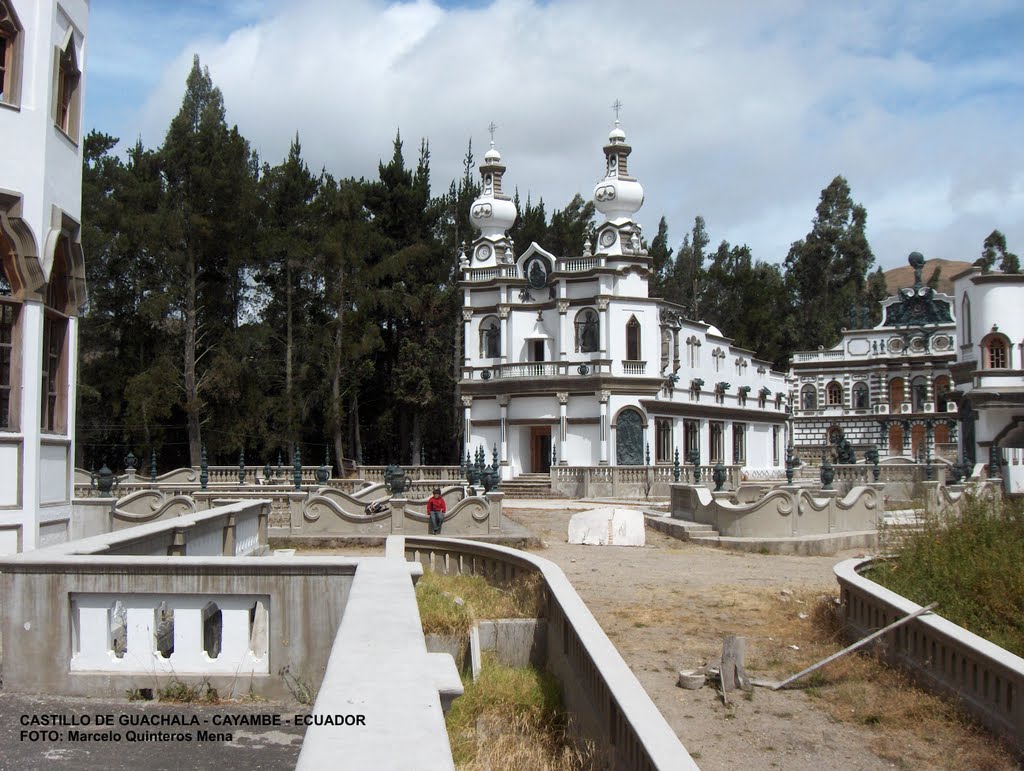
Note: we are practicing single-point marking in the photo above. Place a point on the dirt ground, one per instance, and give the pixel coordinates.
(667, 606)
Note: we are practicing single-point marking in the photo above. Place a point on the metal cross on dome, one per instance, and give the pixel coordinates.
(617, 106)
(491, 127)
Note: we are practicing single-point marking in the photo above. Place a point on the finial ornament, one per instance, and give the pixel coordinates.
(617, 106)
(491, 128)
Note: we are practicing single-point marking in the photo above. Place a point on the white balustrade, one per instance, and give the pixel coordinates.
(634, 367)
(530, 369)
(247, 535)
(203, 634)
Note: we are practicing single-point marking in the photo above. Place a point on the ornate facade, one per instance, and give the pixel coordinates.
(42, 282)
(989, 372)
(568, 360)
(888, 386)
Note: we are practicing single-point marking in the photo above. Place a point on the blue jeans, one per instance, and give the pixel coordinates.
(435, 521)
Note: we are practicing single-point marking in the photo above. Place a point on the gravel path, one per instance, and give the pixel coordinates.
(667, 606)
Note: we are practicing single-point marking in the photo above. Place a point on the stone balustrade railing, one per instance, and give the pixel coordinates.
(983, 678)
(607, 703)
(413, 473)
(629, 481)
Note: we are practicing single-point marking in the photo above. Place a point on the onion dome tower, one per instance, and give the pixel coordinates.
(618, 197)
(492, 213)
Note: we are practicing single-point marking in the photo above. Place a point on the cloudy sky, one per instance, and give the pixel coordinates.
(738, 111)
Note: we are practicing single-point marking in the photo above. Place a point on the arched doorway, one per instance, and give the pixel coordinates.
(629, 438)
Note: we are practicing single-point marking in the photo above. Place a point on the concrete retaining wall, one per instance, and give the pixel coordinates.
(985, 679)
(606, 702)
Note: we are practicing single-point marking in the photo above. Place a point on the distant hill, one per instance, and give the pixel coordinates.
(897, 278)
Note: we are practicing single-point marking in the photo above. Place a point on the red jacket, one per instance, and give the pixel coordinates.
(436, 503)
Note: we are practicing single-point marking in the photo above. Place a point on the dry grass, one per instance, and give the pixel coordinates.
(449, 604)
(789, 631)
(512, 718)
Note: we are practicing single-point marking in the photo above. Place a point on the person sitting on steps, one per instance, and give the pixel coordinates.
(436, 509)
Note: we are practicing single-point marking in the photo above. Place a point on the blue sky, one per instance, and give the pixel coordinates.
(741, 112)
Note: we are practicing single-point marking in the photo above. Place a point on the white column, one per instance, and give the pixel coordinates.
(603, 332)
(704, 441)
(31, 323)
(564, 335)
(563, 399)
(72, 414)
(467, 412)
(605, 427)
(506, 470)
(506, 338)
(727, 442)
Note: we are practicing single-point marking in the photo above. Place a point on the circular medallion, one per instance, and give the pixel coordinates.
(608, 238)
(917, 344)
(483, 253)
(940, 343)
(895, 345)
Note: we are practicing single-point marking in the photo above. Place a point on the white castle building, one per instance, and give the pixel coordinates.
(886, 386)
(568, 360)
(42, 55)
(989, 371)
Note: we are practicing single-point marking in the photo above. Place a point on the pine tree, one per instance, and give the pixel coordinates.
(827, 271)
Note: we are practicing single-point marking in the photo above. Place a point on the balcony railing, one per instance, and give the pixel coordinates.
(485, 274)
(630, 367)
(530, 369)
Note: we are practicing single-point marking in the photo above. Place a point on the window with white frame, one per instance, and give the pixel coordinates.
(663, 440)
(67, 94)
(716, 433)
(10, 54)
(633, 339)
(490, 338)
(739, 442)
(588, 331)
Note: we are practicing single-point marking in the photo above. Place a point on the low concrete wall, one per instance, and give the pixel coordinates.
(61, 604)
(334, 514)
(985, 679)
(784, 512)
(606, 702)
(380, 669)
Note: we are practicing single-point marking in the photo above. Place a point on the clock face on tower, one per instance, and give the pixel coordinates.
(483, 252)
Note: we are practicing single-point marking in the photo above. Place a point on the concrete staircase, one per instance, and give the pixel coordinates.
(528, 486)
(685, 530)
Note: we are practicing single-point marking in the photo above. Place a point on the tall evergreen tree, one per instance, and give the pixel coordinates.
(995, 247)
(827, 270)
(209, 185)
(661, 256)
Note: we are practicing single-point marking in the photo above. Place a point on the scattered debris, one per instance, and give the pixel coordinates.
(801, 616)
(691, 680)
(860, 643)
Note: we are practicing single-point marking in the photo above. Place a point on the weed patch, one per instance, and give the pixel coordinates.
(449, 604)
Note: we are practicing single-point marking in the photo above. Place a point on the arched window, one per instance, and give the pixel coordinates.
(490, 338)
(919, 392)
(942, 389)
(54, 373)
(10, 54)
(895, 393)
(587, 331)
(633, 339)
(965, 321)
(809, 397)
(895, 440)
(834, 394)
(995, 352)
(833, 435)
(860, 396)
(67, 101)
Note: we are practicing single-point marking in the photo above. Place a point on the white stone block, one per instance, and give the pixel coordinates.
(608, 527)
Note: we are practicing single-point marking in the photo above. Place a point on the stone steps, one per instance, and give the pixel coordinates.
(528, 486)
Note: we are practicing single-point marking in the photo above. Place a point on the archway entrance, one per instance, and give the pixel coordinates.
(629, 439)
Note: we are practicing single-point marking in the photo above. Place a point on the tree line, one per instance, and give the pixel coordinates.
(239, 306)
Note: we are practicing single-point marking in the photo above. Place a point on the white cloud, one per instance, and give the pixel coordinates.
(741, 112)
